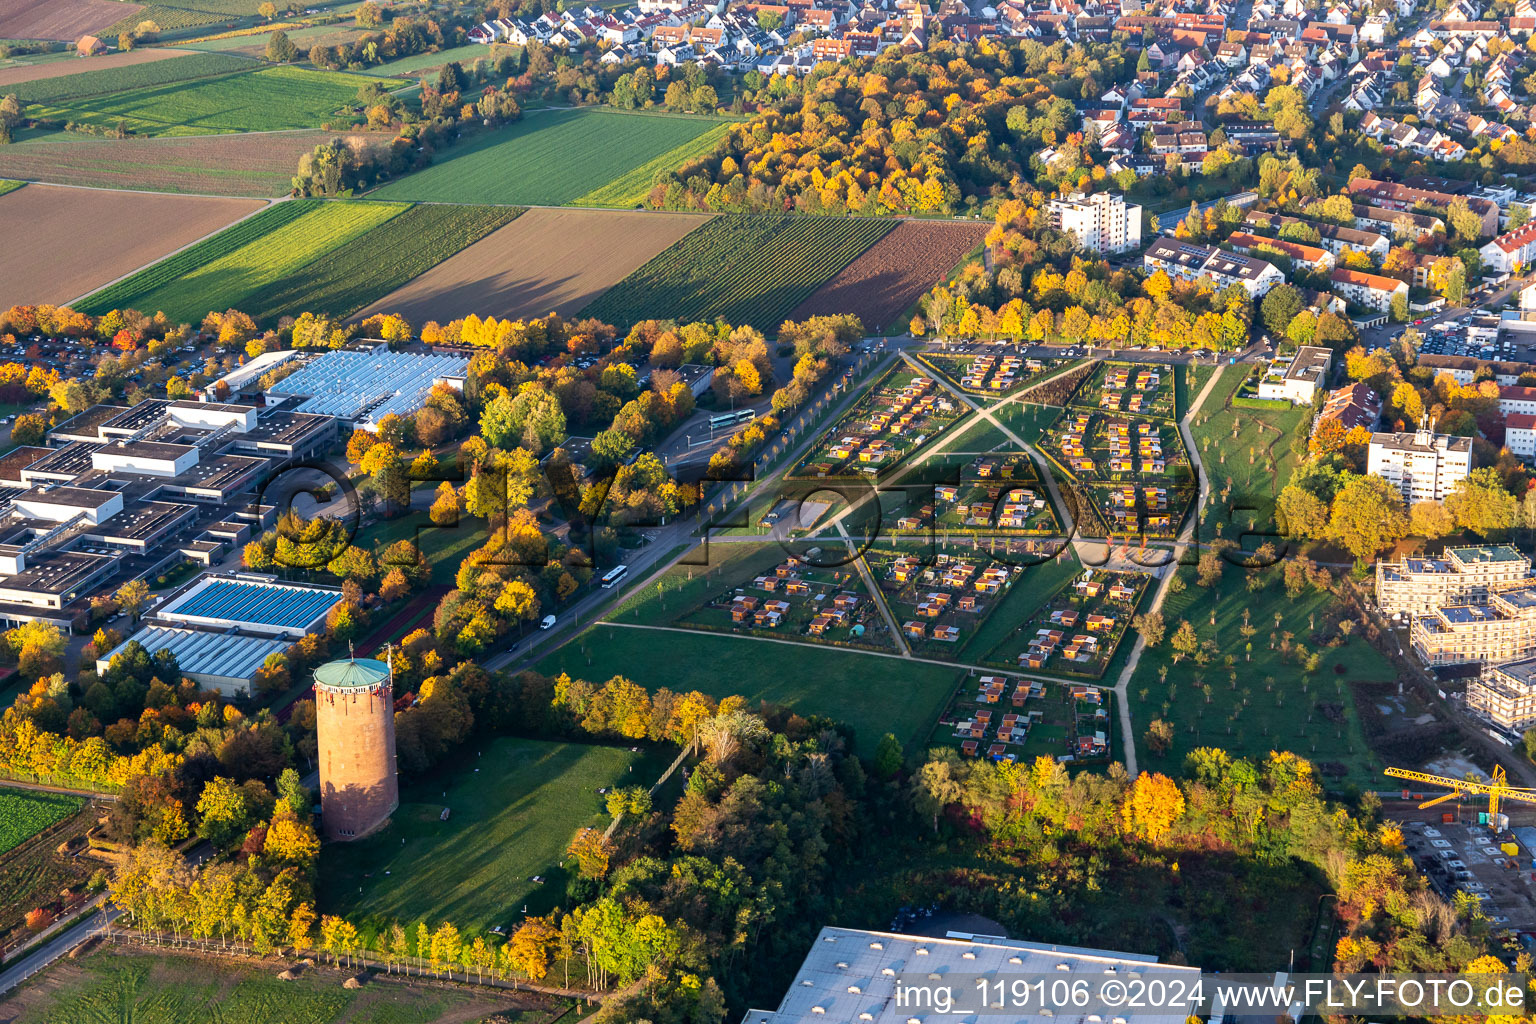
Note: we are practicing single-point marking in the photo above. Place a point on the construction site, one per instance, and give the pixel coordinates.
(1472, 836)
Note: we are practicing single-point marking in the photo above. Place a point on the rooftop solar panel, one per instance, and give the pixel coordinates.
(270, 604)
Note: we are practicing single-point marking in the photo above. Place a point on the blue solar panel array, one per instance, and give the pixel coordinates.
(291, 607)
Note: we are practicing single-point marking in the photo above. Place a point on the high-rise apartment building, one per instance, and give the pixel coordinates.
(1101, 223)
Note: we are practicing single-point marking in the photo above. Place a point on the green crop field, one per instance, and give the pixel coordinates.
(128, 985)
(237, 267)
(23, 814)
(632, 188)
(811, 678)
(547, 159)
(749, 270)
(272, 99)
(134, 76)
(465, 55)
(170, 19)
(7, 185)
(514, 805)
(345, 279)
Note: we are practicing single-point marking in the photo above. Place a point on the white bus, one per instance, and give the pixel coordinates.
(614, 575)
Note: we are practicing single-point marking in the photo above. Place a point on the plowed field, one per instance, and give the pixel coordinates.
(59, 19)
(74, 65)
(90, 237)
(546, 260)
(892, 273)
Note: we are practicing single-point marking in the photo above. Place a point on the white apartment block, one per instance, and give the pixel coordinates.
(1423, 466)
(1515, 399)
(1520, 434)
(1299, 380)
(1503, 629)
(1417, 586)
(1101, 223)
(1508, 251)
(1369, 290)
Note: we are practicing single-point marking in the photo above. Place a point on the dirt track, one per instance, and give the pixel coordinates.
(545, 260)
(79, 239)
(60, 19)
(74, 66)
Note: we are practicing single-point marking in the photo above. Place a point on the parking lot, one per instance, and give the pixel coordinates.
(1464, 855)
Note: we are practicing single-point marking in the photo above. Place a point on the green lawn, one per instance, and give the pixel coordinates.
(1247, 456)
(1038, 584)
(874, 695)
(547, 159)
(23, 814)
(1029, 421)
(1275, 705)
(466, 55)
(271, 99)
(514, 806)
(129, 985)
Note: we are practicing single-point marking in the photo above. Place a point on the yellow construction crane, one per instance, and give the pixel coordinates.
(1498, 789)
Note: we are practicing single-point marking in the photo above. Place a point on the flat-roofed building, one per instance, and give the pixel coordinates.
(1300, 379)
(142, 525)
(258, 604)
(222, 661)
(62, 504)
(1423, 466)
(851, 975)
(1503, 629)
(1101, 223)
(1465, 575)
(54, 579)
(1505, 696)
(148, 458)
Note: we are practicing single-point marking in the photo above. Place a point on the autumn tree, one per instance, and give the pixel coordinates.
(1153, 806)
(1368, 514)
(592, 851)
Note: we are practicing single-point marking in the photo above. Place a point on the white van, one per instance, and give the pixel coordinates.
(549, 621)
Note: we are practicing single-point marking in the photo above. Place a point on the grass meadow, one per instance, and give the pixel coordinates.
(514, 805)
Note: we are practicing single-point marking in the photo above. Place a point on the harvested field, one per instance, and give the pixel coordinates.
(892, 273)
(59, 19)
(223, 165)
(545, 260)
(109, 234)
(74, 66)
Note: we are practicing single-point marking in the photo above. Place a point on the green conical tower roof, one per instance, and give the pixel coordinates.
(355, 673)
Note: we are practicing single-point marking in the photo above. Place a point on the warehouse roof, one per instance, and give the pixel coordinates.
(201, 653)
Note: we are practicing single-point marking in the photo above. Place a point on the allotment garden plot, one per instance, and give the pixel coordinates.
(1011, 719)
(904, 411)
(939, 594)
(990, 374)
(1120, 446)
(769, 592)
(1077, 632)
(995, 498)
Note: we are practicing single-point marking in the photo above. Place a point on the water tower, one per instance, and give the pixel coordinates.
(355, 725)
